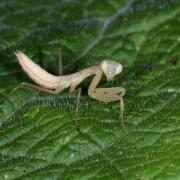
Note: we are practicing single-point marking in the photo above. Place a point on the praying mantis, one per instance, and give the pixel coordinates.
(55, 84)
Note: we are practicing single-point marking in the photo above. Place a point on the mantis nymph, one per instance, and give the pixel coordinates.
(55, 84)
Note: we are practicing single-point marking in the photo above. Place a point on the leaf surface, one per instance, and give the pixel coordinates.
(39, 137)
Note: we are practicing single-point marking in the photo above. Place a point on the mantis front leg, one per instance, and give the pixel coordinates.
(106, 94)
(109, 95)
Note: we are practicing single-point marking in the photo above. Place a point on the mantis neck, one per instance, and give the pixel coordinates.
(78, 77)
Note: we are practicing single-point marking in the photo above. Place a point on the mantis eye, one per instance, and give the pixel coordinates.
(111, 68)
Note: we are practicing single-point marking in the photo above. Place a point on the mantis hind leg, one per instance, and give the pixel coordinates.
(29, 85)
(59, 53)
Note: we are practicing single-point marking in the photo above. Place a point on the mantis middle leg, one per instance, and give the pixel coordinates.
(73, 90)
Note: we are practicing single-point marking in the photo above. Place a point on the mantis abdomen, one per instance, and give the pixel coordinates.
(36, 73)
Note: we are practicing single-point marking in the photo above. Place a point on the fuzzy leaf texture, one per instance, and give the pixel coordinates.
(38, 131)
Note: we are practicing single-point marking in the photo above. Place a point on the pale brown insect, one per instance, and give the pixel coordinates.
(55, 84)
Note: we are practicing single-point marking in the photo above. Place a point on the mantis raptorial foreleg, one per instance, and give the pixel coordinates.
(113, 90)
(107, 94)
(110, 94)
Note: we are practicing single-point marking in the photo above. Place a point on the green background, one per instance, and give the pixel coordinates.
(38, 131)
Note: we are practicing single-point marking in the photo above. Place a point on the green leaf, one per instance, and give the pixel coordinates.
(40, 136)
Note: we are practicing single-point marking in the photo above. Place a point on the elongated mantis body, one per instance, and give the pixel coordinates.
(55, 84)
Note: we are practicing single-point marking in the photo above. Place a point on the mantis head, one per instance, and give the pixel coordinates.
(111, 68)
